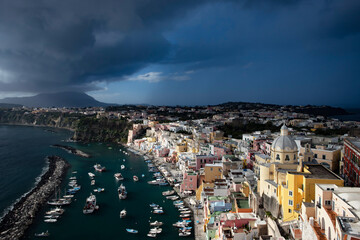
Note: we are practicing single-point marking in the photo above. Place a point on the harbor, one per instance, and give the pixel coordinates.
(139, 221)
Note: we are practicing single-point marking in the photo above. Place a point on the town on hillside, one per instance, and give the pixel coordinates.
(249, 171)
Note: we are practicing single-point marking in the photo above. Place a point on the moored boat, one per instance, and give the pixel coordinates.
(156, 223)
(122, 192)
(118, 176)
(99, 168)
(90, 204)
(50, 220)
(43, 234)
(55, 211)
(167, 193)
(129, 230)
(123, 213)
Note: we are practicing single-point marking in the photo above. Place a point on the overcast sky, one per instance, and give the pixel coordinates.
(183, 52)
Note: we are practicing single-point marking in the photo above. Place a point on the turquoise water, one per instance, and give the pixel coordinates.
(104, 223)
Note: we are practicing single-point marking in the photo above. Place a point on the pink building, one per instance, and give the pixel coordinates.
(220, 151)
(190, 182)
(202, 160)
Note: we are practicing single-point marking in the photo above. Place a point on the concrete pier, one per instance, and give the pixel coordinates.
(16, 222)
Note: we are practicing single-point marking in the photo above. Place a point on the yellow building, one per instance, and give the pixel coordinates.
(284, 183)
(181, 147)
(300, 187)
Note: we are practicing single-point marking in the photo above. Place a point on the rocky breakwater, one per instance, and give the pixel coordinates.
(15, 222)
(72, 150)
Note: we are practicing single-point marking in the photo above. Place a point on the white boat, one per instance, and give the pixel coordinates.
(99, 168)
(43, 234)
(158, 211)
(156, 230)
(184, 234)
(50, 220)
(167, 193)
(92, 183)
(122, 167)
(135, 178)
(68, 196)
(91, 174)
(184, 215)
(122, 192)
(90, 204)
(72, 178)
(99, 189)
(123, 213)
(51, 216)
(55, 211)
(150, 234)
(156, 223)
(118, 176)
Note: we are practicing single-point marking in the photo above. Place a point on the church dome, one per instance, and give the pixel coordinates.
(284, 142)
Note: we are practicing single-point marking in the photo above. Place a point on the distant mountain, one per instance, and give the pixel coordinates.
(61, 99)
(9, 105)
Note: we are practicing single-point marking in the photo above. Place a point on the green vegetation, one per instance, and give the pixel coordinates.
(91, 129)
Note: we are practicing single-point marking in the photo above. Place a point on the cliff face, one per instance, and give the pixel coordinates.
(51, 119)
(102, 130)
(86, 128)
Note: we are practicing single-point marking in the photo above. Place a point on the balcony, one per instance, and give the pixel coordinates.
(319, 232)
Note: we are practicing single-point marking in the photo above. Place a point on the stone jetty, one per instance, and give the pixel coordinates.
(72, 150)
(15, 222)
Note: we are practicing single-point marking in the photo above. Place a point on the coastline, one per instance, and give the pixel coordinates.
(33, 125)
(72, 150)
(14, 224)
(196, 213)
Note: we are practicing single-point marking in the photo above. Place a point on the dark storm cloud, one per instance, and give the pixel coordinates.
(48, 45)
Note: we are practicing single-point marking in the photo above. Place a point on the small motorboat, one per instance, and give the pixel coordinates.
(142, 175)
(129, 230)
(122, 167)
(50, 220)
(43, 234)
(99, 168)
(123, 213)
(156, 230)
(151, 234)
(99, 190)
(92, 183)
(184, 215)
(118, 176)
(68, 196)
(135, 178)
(184, 234)
(55, 211)
(158, 211)
(153, 205)
(91, 175)
(167, 193)
(156, 223)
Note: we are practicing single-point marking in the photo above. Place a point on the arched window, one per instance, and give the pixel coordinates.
(294, 156)
(287, 158)
(277, 157)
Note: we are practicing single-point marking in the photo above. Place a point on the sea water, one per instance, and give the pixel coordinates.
(104, 223)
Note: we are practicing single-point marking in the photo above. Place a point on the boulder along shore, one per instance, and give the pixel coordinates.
(15, 222)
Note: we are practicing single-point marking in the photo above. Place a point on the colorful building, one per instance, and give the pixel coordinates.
(352, 161)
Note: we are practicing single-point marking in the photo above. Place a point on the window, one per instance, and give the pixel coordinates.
(327, 202)
(287, 158)
(277, 157)
(291, 202)
(294, 156)
(290, 210)
(211, 169)
(315, 155)
(274, 190)
(290, 193)
(323, 157)
(309, 159)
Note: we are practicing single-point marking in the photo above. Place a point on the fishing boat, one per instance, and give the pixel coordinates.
(122, 192)
(167, 193)
(90, 204)
(135, 178)
(118, 176)
(43, 234)
(123, 213)
(122, 167)
(99, 168)
(91, 174)
(50, 220)
(156, 223)
(129, 230)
